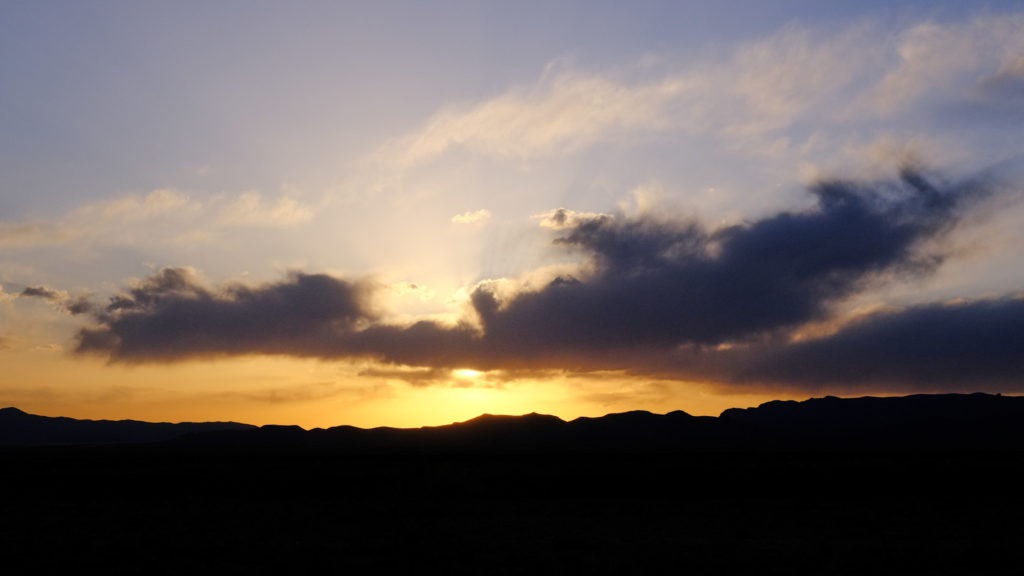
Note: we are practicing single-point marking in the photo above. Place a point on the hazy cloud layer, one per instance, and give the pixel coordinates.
(561, 114)
(250, 210)
(164, 215)
(660, 297)
(762, 98)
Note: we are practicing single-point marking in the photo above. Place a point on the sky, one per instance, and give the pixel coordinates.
(408, 213)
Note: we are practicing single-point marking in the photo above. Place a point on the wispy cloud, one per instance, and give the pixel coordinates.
(161, 215)
(108, 221)
(782, 95)
(562, 114)
(412, 376)
(947, 61)
(250, 209)
(299, 393)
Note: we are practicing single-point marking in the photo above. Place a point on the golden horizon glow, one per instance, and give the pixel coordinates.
(314, 393)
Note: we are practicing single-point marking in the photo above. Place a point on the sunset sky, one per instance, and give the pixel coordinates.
(412, 213)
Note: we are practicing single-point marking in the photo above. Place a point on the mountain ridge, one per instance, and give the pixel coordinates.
(19, 428)
(966, 421)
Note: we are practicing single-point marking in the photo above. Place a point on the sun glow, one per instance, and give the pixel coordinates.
(467, 374)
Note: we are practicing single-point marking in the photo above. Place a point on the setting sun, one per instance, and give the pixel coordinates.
(467, 374)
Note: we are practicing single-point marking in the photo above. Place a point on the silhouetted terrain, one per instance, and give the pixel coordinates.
(949, 421)
(20, 429)
(945, 421)
(915, 485)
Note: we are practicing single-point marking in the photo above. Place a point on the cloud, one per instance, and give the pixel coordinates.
(765, 85)
(135, 207)
(660, 297)
(471, 217)
(308, 392)
(1001, 95)
(80, 305)
(978, 344)
(249, 209)
(798, 96)
(106, 221)
(563, 113)
(164, 215)
(44, 293)
(73, 306)
(171, 315)
(416, 377)
(563, 218)
(667, 283)
(22, 233)
(945, 61)
(4, 296)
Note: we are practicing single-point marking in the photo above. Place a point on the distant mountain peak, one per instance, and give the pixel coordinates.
(532, 416)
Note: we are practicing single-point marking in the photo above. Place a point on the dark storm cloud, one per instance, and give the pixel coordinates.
(668, 283)
(172, 315)
(657, 297)
(934, 346)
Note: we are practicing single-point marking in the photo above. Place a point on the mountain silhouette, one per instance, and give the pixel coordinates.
(948, 421)
(908, 485)
(18, 428)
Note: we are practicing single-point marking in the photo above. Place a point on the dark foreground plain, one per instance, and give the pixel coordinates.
(832, 499)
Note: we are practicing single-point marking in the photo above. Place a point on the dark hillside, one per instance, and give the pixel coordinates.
(829, 486)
